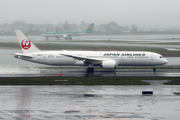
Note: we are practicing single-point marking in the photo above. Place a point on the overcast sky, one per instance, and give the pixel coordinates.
(147, 13)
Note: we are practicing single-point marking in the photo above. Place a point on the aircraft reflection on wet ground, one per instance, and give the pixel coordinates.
(89, 102)
(35, 72)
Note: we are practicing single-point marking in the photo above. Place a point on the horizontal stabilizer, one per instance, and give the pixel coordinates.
(22, 55)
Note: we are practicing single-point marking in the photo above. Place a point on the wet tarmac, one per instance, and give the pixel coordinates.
(89, 103)
(36, 72)
(153, 41)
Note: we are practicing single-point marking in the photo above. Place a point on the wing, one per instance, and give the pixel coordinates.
(85, 59)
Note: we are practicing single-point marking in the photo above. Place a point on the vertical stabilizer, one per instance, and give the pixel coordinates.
(25, 43)
(89, 29)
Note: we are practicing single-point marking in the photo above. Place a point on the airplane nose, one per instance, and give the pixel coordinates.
(165, 61)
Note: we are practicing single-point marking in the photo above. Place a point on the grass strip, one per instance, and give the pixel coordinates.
(84, 80)
(177, 93)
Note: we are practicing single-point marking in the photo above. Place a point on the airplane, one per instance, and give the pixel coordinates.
(105, 59)
(68, 34)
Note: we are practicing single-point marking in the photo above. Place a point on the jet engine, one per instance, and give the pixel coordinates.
(65, 36)
(110, 64)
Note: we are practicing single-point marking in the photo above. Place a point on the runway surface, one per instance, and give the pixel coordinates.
(152, 41)
(35, 72)
(89, 103)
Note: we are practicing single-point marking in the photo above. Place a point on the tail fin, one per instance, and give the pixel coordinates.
(25, 43)
(90, 27)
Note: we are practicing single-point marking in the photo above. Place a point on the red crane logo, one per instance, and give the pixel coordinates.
(25, 44)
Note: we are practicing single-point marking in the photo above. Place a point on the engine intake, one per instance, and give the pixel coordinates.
(65, 36)
(110, 64)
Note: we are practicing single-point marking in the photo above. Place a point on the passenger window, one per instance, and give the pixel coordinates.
(50, 56)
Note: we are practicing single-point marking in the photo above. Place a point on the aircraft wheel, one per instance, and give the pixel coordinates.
(90, 70)
(70, 38)
(154, 69)
(57, 38)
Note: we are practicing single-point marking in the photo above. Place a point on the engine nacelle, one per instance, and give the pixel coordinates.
(65, 36)
(110, 64)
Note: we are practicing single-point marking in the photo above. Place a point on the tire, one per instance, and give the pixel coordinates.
(90, 70)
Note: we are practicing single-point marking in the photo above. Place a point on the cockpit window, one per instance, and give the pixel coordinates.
(161, 56)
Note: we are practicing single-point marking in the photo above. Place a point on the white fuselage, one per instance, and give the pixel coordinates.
(122, 58)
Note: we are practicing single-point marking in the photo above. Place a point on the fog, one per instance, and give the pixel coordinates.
(143, 13)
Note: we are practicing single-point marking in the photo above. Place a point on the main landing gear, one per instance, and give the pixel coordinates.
(69, 38)
(57, 38)
(154, 69)
(90, 70)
